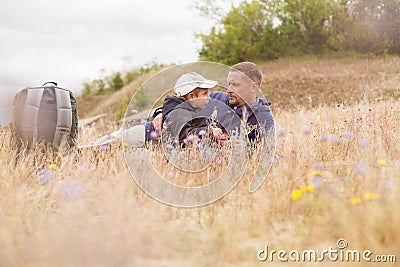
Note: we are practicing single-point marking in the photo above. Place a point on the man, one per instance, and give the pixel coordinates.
(244, 81)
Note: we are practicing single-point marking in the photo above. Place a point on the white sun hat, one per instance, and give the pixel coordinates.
(190, 81)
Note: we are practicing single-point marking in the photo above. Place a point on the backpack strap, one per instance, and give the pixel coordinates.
(64, 116)
(30, 115)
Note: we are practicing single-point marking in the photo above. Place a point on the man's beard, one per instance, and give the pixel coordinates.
(233, 102)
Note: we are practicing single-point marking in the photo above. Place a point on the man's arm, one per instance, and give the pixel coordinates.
(157, 123)
(266, 120)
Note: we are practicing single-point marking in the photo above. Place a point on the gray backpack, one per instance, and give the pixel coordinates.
(45, 114)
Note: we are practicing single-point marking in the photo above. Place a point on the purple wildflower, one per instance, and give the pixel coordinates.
(281, 132)
(317, 181)
(306, 130)
(349, 135)
(80, 169)
(74, 189)
(387, 185)
(333, 139)
(362, 168)
(44, 175)
(345, 178)
(363, 143)
(319, 167)
(154, 135)
(191, 137)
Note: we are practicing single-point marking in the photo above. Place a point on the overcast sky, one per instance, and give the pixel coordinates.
(70, 41)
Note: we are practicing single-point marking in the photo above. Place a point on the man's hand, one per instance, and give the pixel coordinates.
(157, 123)
(219, 134)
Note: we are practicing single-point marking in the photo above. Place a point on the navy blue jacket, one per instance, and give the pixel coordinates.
(259, 117)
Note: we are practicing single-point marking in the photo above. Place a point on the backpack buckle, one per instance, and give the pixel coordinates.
(63, 130)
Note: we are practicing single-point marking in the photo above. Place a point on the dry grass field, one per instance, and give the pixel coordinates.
(336, 174)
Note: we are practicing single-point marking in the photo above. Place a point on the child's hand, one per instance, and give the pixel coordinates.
(219, 134)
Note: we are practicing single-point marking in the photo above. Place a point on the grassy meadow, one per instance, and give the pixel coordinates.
(335, 175)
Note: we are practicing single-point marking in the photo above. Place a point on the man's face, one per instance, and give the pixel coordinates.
(238, 89)
(200, 98)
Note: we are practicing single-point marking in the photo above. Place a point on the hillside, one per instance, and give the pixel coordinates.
(113, 103)
(311, 82)
(288, 83)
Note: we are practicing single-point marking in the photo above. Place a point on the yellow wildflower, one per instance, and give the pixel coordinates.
(369, 196)
(381, 162)
(296, 194)
(53, 166)
(355, 200)
(308, 188)
(317, 173)
(125, 144)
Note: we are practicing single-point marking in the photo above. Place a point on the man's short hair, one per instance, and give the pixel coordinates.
(249, 69)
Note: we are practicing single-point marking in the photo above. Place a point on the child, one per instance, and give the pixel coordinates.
(181, 111)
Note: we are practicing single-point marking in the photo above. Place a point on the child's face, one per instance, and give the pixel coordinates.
(200, 98)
